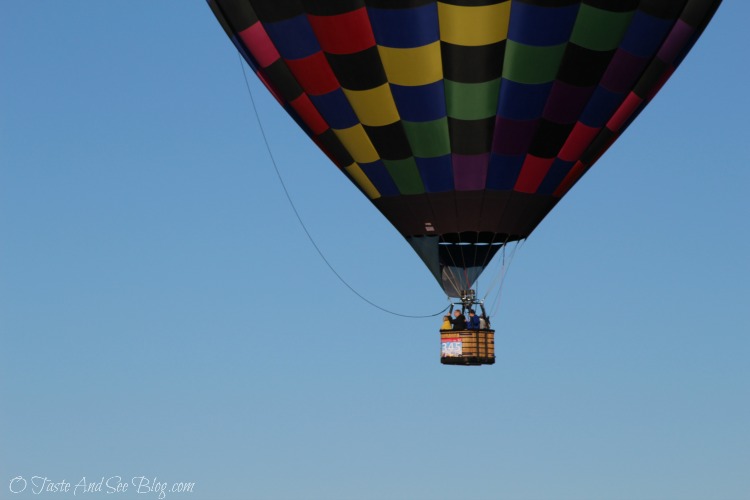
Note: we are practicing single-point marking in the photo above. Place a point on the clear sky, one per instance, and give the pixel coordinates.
(162, 313)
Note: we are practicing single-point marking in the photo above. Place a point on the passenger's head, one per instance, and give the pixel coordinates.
(457, 313)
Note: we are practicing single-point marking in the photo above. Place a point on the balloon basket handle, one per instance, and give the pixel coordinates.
(467, 347)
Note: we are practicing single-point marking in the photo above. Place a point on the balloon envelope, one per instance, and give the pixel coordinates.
(463, 121)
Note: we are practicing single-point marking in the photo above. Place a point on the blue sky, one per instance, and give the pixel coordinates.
(162, 313)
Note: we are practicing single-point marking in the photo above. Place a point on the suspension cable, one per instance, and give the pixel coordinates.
(504, 274)
(299, 218)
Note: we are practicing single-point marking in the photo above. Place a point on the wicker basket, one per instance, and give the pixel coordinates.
(467, 347)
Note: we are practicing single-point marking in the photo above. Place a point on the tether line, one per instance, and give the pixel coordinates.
(299, 218)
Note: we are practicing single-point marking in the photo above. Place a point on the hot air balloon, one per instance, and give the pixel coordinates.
(463, 121)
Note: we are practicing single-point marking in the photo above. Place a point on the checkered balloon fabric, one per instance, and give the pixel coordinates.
(463, 121)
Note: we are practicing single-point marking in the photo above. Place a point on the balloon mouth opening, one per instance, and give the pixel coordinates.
(467, 243)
